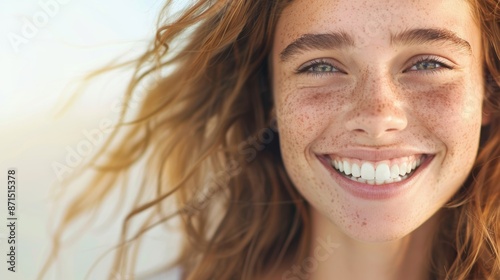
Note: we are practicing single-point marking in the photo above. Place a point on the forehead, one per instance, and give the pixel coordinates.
(373, 21)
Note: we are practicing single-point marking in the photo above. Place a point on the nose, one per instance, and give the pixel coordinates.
(377, 110)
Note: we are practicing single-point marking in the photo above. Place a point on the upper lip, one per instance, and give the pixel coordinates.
(376, 154)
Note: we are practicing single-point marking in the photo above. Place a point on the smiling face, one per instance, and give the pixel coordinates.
(379, 108)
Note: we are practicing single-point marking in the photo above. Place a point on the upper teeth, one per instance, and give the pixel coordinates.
(378, 172)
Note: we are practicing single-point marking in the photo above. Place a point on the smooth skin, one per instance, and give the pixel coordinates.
(395, 76)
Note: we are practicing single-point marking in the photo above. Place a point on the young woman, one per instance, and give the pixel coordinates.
(342, 139)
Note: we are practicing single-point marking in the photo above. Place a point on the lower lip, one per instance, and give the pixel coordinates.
(375, 192)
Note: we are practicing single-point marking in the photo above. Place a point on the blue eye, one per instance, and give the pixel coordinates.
(426, 65)
(318, 67)
(429, 64)
(322, 68)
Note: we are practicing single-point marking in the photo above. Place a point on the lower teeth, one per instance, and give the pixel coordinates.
(373, 182)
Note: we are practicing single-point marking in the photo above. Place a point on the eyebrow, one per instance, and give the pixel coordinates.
(334, 40)
(430, 35)
(339, 40)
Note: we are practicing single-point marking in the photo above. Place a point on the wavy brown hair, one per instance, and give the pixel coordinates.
(206, 134)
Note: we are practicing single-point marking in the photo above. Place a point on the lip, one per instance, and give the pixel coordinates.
(375, 192)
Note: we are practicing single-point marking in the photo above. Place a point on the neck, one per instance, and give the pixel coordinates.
(334, 254)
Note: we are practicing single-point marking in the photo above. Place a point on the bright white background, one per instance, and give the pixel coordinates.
(36, 75)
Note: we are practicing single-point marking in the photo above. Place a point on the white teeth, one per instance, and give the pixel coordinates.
(356, 172)
(367, 171)
(347, 168)
(375, 182)
(394, 171)
(402, 169)
(382, 173)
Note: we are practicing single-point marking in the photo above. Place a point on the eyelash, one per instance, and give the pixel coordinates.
(306, 69)
(318, 62)
(431, 59)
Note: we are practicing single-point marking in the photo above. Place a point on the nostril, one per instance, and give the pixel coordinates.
(376, 125)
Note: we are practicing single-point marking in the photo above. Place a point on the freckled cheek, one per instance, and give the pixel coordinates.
(303, 116)
(295, 131)
(453, 117)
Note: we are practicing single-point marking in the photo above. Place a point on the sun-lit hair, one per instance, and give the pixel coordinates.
(468, 243)
(207, 136)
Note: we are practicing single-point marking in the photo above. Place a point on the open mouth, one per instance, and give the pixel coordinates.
(378, 173)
